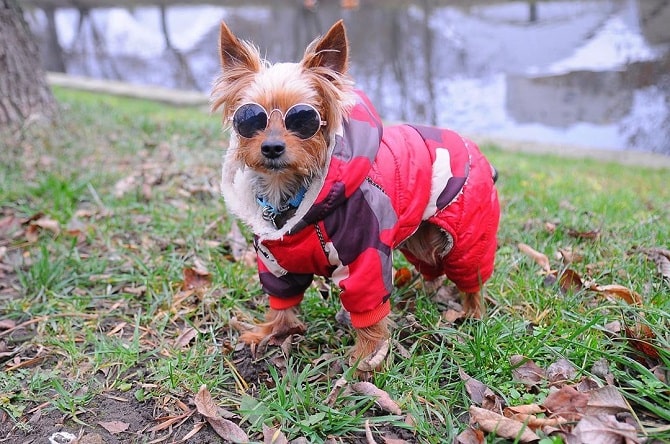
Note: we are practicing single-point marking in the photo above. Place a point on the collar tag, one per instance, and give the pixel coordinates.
(270, 212)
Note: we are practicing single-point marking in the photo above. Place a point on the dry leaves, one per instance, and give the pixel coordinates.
(381, 397)
(526, 371)
(581, 413)
(196, 279)
(480, 393)
(540, 259)
(661, 257)
(492, 422)
(639, 335)
(114, 427)
(226, 429)
(618, 292)
(402, 277)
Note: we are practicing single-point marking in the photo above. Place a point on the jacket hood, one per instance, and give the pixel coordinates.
(351, 155)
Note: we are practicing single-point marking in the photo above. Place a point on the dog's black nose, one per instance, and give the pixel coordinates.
(273, 148)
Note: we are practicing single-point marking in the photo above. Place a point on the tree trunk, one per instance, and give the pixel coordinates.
(24, 91)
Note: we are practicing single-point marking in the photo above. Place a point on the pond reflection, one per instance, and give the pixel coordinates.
(591, 73)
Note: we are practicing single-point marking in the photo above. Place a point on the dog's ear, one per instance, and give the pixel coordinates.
(235, 53)
(329, 51)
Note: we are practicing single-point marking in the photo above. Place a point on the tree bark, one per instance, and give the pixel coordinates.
(24, 91)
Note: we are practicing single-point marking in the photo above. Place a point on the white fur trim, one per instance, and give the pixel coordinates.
(240, 197)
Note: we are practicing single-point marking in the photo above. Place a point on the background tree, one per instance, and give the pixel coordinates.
(23, 88)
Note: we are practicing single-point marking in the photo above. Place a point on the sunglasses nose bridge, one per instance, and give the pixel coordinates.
(278, 111)
(276, 121)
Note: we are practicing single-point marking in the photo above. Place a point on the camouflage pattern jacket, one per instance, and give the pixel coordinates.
(381, 183)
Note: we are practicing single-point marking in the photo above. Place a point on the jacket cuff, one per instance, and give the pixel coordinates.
(277, 303)
(368, 318)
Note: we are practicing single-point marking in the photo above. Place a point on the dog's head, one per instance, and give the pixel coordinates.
(284, 114)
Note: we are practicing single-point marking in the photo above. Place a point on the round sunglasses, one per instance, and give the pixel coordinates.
(301, 119)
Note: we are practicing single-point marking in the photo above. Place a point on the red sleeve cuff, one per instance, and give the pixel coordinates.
(277, 303)
(368, 318)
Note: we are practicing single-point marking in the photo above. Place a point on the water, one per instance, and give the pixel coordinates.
(585, 73)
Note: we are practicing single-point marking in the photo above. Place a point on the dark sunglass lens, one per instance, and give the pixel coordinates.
(303, 120)
(249, 119)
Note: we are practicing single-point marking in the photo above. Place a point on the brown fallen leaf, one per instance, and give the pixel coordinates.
(196, 279)
(492, 422)
(561, 371)
(374, 360)
(540, 258)
(526, 371)
(224, 428)
(527, 414)
(336, 390)
(618, 291)
(194, 431)
(606, 400)
(402, 277)
(381, 397)
(47, 224)
(604, 429)
(451, 316)
(480, 394)
(165, 422)
(570, 281)
(569, 256)
(640, 337)
(6, 324)
(661, 257)
(186, 336)
(470, 436)
(588, 235)
(566, 402)
(114, 427)
(525, 409)
(126, 184)
(272, 435)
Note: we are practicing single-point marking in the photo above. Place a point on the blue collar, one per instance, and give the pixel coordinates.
(270, 212)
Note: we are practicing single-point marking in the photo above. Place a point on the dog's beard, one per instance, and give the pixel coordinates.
(280, 179)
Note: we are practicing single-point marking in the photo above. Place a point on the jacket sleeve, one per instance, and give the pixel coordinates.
(285, 291)
(361, 232)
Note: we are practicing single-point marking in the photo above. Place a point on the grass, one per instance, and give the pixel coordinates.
(103, 306)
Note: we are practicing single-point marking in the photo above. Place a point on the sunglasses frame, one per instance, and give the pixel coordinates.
(283, 117)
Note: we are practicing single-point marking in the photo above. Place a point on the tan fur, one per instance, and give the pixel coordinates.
(320, 79)
(429, 243)
(368, 340)
(278, 323)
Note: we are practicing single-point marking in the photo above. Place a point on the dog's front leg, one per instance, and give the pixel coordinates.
(369, 352)
(473, 304)
(278, 325)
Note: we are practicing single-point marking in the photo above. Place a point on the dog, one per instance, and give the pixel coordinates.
(328, 190)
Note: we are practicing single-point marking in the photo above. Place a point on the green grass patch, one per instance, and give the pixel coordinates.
(101, 213)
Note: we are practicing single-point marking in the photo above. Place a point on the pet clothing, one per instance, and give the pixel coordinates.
(380, 184)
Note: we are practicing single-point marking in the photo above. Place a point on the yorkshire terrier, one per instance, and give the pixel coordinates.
(328, 190)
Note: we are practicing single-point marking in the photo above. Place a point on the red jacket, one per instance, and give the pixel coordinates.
(381, 183)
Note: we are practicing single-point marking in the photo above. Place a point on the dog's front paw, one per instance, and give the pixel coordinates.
(278, 325)
(473, 305)
(371, 349)
(367, 362)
